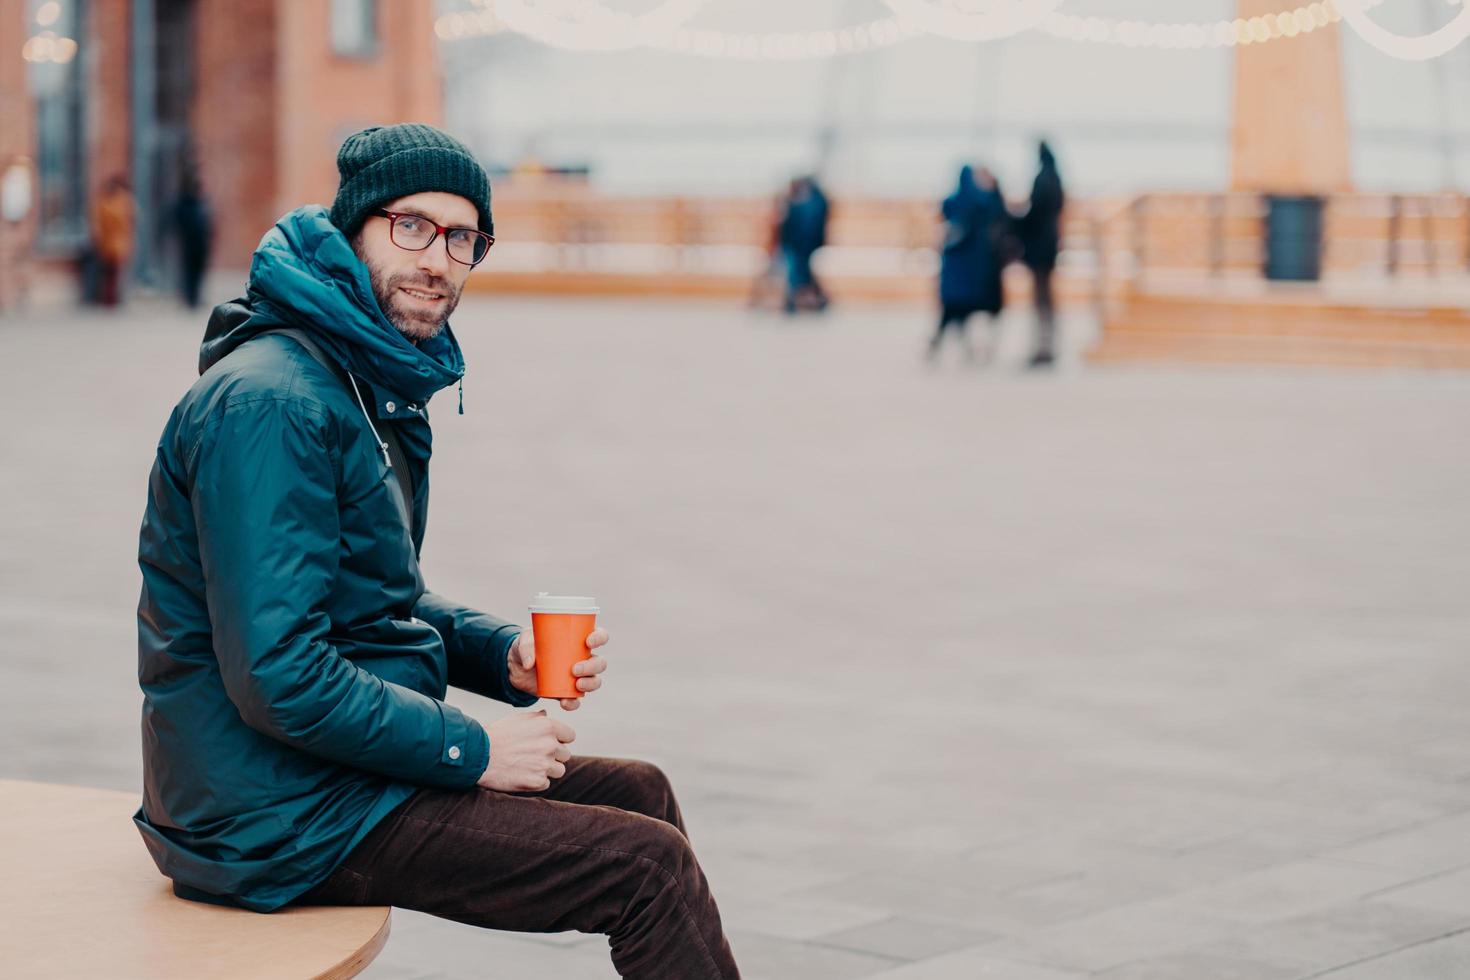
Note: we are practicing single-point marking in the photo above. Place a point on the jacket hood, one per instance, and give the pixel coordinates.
(304, 274)
(968, 197)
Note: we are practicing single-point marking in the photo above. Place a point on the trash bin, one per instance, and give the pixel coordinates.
(1294, 237)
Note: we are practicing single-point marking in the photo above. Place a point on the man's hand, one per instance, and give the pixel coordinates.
(522, 662)
(527, 752)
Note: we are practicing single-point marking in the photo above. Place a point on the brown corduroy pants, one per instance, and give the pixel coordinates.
(602, 851)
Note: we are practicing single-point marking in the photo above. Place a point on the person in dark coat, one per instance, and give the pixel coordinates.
(973, 256)
(803, 231)
(1041, 236)
(297, 744)
(195, 227)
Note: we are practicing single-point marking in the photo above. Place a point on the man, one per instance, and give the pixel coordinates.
(194, 224)
(296, 744)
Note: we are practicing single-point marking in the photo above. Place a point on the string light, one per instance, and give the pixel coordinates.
(780, 46)
(457, 26)
(972, 20)
(47, 47)
(1421, 48)
(591, 25)
(1210, 34)
(794, 46)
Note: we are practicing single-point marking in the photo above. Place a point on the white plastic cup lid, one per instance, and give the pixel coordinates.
(543, 603)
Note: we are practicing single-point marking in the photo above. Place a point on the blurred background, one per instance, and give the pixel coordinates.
(644, 147)
(1018, 444)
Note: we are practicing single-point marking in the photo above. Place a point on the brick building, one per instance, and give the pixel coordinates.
(253, 94)
(17, 154)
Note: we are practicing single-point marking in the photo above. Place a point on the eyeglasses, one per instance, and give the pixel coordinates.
(414, 233)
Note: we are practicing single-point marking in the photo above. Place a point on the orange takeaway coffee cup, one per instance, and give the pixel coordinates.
(560, 625)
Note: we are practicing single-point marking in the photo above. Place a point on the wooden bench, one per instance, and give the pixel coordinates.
(80, 897)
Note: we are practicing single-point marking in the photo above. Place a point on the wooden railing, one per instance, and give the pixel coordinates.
(1401, 234)
(1223, 235)
(551, 235)
(883, 244)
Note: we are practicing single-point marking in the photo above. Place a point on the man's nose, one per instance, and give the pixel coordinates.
(434, 260)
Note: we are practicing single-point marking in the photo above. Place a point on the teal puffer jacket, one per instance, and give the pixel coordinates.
(293, 666)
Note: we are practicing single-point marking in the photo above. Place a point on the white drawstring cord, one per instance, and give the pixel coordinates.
(360, 404)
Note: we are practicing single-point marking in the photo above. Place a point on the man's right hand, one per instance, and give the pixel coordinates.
(527, 752)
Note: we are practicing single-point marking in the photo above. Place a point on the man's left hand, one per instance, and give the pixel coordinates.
(522, 663)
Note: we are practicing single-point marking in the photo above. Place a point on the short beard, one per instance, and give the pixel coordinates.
(413, 325)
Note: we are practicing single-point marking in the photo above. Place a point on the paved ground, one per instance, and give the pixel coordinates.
(960, 672)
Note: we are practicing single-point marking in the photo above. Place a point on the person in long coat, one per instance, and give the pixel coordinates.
(194, 225)
(1041, 238)
(973, 257)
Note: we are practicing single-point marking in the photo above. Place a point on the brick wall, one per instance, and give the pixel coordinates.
(17, 145)
(234, 120)
(109, 117)
(324, 96)
(275, 101)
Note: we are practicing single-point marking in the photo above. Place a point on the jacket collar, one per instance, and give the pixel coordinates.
(305, 273)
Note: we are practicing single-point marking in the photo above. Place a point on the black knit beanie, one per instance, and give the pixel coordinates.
(382, 163)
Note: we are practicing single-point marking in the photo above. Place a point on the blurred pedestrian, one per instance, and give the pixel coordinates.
(973, 258)
(770, 284)
(1041, 236)
(113, 214)
(803, 232)
(194, 225)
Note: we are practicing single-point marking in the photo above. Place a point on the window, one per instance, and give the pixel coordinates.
(61, 157)
(355, 28)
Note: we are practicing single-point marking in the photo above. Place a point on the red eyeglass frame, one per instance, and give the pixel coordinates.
(439, 230)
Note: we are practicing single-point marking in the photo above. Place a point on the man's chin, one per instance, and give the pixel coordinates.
(415, 328)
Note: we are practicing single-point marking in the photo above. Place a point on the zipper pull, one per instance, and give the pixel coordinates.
(461, 396)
